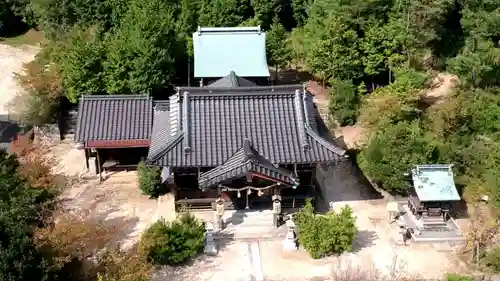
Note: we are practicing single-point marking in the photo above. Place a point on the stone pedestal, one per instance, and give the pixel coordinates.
(210, 243)
(289, 243)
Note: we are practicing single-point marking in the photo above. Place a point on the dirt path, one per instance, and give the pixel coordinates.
(442, 85)
(352, 136)
(11, 61)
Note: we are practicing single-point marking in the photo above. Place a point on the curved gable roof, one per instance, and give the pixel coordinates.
(212, 123)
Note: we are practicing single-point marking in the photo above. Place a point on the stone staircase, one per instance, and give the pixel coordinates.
(249, 225)
(429, 223)
(431, 229)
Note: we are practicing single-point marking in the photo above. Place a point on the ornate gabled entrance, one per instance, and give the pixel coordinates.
(248, 178)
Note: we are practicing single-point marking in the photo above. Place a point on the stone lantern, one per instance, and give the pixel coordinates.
(219, 212)
(276, 209)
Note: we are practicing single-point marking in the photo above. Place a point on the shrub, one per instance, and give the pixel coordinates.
(149, 180)
(173, 242)
(20, 210)
(344, 102)
(492, 259)
(350, 272)
(121, 266)
(322, 235)
(70, 242)
(456, 277)
(35, 166)
(393, 151)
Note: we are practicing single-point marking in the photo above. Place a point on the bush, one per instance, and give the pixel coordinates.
(344, 102)
(322, 235)
(393, 151)
(71, 242)
(492, 259)
(149, 180)
(120, 266)
(35, 164)
(173, 242)
(350, 272)
(20, 212)
(456, 277)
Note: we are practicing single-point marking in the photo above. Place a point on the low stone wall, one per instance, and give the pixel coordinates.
(47, 135)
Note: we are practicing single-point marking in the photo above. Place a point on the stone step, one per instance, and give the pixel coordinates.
(249, 221)
(255, 233)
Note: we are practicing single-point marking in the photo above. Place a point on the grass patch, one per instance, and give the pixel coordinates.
(30, 37)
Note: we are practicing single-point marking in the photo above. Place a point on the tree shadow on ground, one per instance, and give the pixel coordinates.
(349, 182)
(353, 155)
(16, 27)
(364, 239)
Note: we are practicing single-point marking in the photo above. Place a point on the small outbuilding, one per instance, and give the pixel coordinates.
(433, 191)
(114, 129)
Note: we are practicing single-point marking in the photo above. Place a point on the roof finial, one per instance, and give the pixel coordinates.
(185, 122)
(247, 149)
(299, 111)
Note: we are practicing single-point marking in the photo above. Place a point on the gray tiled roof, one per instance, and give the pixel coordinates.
(114, 117)
(208, 125)
(244, 160)
(231, 81)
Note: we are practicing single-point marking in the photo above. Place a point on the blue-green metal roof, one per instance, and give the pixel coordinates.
(434, 183)
(220, 50)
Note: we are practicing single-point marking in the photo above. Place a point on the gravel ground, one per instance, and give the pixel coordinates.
(11, 61)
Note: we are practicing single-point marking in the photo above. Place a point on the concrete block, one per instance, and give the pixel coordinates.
(289, 245)
(92, 165)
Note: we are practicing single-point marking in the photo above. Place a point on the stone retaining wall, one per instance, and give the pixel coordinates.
(47, 135)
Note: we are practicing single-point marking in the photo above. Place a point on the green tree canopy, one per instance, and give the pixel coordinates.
(20, 207)
(277, 48)
(141, 53)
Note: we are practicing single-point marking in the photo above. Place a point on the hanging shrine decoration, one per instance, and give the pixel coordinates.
(249, 189)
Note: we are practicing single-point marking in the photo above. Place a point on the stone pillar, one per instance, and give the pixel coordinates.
(219, 212)
(276, 209)
(289, 243)
(93, 165)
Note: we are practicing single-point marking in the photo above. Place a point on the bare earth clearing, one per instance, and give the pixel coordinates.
(11, 61)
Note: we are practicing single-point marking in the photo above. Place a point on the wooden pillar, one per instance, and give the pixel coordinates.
(87, 155)
(98, 164)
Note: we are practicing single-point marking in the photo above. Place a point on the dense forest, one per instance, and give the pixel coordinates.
(376, 57)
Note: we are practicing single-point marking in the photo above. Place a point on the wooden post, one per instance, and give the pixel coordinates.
(98, 165)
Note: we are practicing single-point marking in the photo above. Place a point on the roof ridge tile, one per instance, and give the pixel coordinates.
(115, 97)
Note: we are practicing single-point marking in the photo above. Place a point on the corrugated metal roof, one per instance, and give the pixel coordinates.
(114, 117)
(245, 160)
(219, 50)
(213, 122)
(231, 81)
(434, 183)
